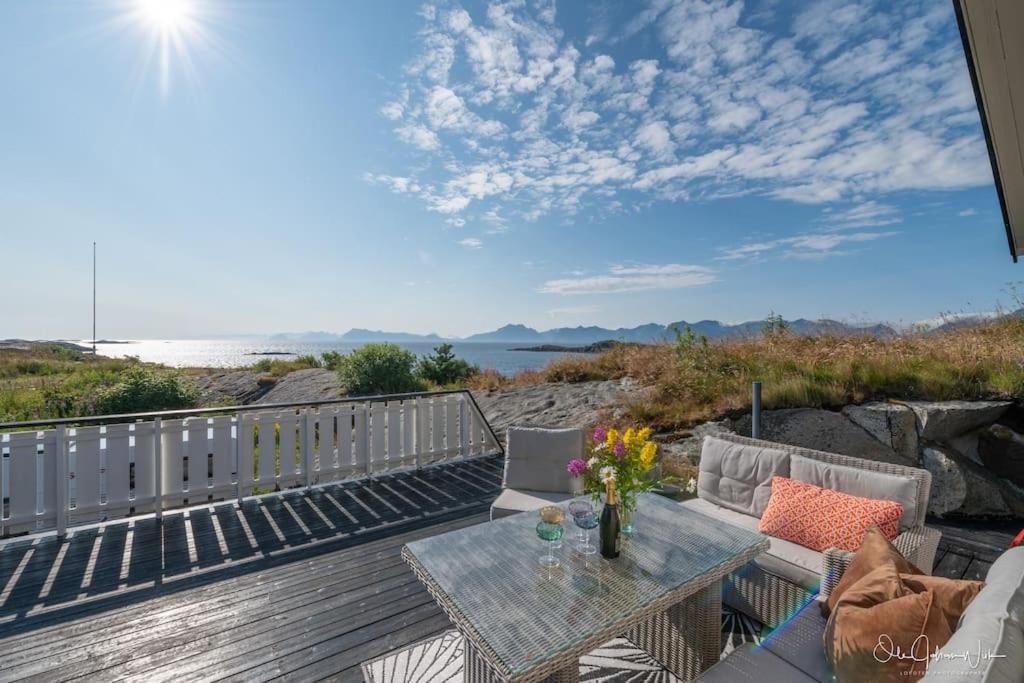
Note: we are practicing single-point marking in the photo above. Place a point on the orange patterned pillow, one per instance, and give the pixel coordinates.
(820, 518)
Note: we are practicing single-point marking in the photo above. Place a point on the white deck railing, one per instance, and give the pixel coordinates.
(84, 470)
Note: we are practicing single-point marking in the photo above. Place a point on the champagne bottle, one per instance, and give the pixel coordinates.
(610, 525)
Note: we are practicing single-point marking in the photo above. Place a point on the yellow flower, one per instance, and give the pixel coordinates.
(613, 437)
(643, 434)
(647, 454)
(628, 437)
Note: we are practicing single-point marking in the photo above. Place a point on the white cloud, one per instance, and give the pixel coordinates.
(870, 213)
(634, 278)
(420, 136)
(843, 102)
(811, 246)
(967, 212)
(471, 243)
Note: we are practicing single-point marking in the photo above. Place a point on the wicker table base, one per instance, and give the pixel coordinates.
(685, 639)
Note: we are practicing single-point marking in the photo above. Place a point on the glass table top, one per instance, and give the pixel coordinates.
(525, 612)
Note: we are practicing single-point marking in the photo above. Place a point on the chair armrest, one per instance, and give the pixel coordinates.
(918, 545)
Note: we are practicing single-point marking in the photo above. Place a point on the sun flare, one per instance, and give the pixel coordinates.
(166, 16)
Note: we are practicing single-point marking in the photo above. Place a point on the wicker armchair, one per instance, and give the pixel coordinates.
(772, 599)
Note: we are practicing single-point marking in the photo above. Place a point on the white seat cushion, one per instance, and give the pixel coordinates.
(993, 622)
(739, 476)
(784, 559)
(512, 501)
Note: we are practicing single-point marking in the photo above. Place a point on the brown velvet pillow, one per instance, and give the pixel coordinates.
(951, 596)
(875, 550)
(888, 641)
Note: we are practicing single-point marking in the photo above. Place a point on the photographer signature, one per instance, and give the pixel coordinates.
(886, 651)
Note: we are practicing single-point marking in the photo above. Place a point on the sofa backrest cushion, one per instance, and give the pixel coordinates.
(535, 458)
(739, 476)
(857, 482)
(993, 622)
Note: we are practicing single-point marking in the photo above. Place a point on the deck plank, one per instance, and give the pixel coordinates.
(301, 585)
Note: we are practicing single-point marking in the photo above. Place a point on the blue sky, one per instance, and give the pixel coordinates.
(452, 167)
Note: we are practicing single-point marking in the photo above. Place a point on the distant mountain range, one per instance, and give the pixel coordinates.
(651, 332)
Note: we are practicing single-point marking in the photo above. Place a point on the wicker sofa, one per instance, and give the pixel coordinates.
(734, 484)
(993, 623)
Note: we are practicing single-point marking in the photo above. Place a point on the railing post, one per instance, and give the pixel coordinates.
(416, 431)
(238, 458)
(307, 445)
(463, 430)
(367, 425)
(61, 473)
(158, 468)
(755, 411)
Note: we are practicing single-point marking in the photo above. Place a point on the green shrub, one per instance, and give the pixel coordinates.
(443, 368)
(378, 369)
(142, 389)
(330, 359)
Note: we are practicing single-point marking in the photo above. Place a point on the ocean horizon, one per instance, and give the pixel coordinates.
(224, 353)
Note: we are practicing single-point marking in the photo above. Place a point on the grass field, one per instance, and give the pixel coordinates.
(695, 381)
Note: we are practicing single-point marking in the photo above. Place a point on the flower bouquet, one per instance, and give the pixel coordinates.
(626, 458)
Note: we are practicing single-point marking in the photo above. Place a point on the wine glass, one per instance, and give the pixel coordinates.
(553, 514)
(550, 532)
(577, 508)
(586, 522)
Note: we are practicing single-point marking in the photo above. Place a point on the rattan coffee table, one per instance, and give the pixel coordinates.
(523, 622)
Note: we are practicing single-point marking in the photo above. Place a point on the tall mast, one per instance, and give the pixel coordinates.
(93, 298)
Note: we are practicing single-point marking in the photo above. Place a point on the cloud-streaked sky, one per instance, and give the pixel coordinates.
(452, 167)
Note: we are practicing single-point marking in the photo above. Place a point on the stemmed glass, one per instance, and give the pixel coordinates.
(586, 521)
(553, 514)
(577, 508)
(550, 532)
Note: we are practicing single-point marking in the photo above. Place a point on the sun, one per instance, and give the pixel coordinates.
(166, 16)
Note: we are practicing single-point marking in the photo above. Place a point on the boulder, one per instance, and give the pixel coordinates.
(893, 424)
(967, 445)
(822, 430)
(985, 495)
(1002, 451)
(582, 404)
(943, 420)
(687, 450)
(949, 487)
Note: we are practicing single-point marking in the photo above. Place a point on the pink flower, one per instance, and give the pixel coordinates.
(576, 467)
(600, 434)
(619, 450)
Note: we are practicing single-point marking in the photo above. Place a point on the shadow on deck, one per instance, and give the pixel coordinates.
(108, 566)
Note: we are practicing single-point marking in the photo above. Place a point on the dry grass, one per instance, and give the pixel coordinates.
(693, 382)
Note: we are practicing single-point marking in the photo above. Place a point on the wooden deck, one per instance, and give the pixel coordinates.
(302, 586)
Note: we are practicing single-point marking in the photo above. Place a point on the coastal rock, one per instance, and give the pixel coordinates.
(949, 487)
(1001, 450)
(967, 445)
(229, 387)
(986, 495)
(311, 384)
(821, 430)
(942, 420)
(687, 450)
(892, 424)
(582, 404)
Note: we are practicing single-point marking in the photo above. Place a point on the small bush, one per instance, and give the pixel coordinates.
(378, 369)
(142, 389)
(443, 368)
(279, 367)
(330, 359)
